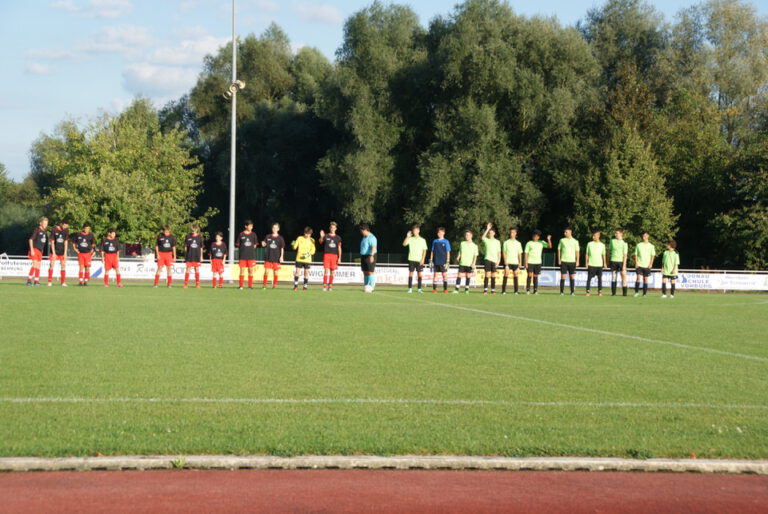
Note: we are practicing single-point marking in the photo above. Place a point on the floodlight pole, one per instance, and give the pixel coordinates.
(231, 245)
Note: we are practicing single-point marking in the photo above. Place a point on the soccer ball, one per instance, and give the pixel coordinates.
(368, 289)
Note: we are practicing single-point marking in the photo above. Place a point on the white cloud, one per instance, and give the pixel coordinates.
(295, 47)
(320, 13)
(187, 5)
(96, 8)
(189, 52)
(65, 5)
(128, 40)
(266, 5)
(50, 54)
(37, 68)
(158, 81)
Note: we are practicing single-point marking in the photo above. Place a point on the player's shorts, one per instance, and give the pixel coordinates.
(489, 266)
(593, 271)
(512, 267)
(84, 259)
(164, 259)
(671, 277)
(415, 266)
(111, 262)
(568, 267)
(274, 266)
(646, 272)
(192, 264)
(616, 266)
(441, 268)
(330, 261)
(534, 269)
(35, 255)
(302, 265)
(54, 258)
(247, 263)
(465, 269)
(217, 265)
(366, 264)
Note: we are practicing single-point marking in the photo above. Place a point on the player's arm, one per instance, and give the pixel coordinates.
(505, 259)
(525, 262)
(605, 260)
(624, 261)
(474, 262)
(322, 237)
(157, 251)
(339, 250)
(488, 228)
(174, 250)
(559, 262)
(373, 252)
(423, 257)
(549, 241)
(407, 237)
(578, 254)
(650, 264)
(431, 256)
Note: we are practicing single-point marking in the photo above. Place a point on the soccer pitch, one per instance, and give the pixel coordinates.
(88, 371)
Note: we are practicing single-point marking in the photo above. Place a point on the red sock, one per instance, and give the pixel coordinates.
(241, 281)
(37, 275)
(214, 281)
(87, 275)
(31, 273)
(63, 276)
(106, 279)
(325, 280)
(265, 280)
(330, 280)
(170, 279)
(250, 281)
(186, 278)
(274, 280)
(50, 274)
(80, 276)
(157, 279)
(119, 283)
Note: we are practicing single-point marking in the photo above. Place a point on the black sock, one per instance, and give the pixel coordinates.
(527, 281)
(663, 288)
(410, 281)
(673, 288)
(466, 282)
(515, 282)
(613, 287)
(562, 285)
(624, 290)
(306, 281)
(572, 284)
(419, 281)
(645, 288)
(445, 285)
(504, 284)
(295, 281)
(493, 283)
(637, 286)
(485, 283)
(536, 284)
(458, 282)
(599, 281)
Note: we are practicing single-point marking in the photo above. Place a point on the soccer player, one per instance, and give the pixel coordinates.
(533, 260)
(58, 251)
(219, 254)
(247, 242)
(512, 251)
(331, 254)
(275, 245)
(670, 261)
(110, 256)
(440, 256)
(368, 250)
(193, 255)
(491, 257)
(85, 245)
(619, 252)
(417, 254)
(305, 249)
(37, 243)
(596, 262)
(645, 253)
(567, 256)
(165, 251)
(467, 259)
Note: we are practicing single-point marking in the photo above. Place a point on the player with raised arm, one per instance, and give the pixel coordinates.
(467, 259)
(193, 255)
(275, 245)
(619, 252)
(439, 257)
(491, 257)
(512, 252)
(110, 256)
(246, 241)
(305, 249)
(165, 252)
(595, 260)
(533, 260)
(417, 254)
(368, 251)
(85, 244)
(645, 253)
(670, 261)
(59, 241)
(37, 243)
(567, 258)
(219, 252)
(331, 254)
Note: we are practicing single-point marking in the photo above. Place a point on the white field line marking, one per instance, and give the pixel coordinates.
(384, 401)
(586, 329)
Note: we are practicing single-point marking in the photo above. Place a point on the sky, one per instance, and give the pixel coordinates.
(72, 59)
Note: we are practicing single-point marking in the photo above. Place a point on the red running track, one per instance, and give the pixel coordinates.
(380, 491)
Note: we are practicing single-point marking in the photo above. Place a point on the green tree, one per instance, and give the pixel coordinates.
(19, 212)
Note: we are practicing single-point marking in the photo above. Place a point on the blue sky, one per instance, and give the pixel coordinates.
(72, 58)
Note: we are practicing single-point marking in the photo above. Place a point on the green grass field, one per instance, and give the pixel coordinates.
(139, 370)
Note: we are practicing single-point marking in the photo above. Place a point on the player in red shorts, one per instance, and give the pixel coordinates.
(58, 251)
(247, 242)
(193, 255)
(37, 243)
(110, 256)
(165, 250)
(85, 245)
(331, 254)
(275, 245)
(218, 256)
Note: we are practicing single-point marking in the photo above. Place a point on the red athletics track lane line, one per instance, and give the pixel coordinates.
(380, 491)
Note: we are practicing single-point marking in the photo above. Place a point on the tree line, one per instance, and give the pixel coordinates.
(624, 120)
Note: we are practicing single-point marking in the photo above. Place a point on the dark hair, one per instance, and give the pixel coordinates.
(333, 224)
(513, 228)
(596, 232)
(195, 226)
(166, 227)
(537, 232)
(468, 231)
(415, 225)
(644, 232)
(307, 230)
(619, 230)
(63, 222)
(441, 229)
(111, 230)
(219, 234)
(365, 226)
(274, 223)
(568, 228)
(248, 222)
(672, 243)
(86, 224)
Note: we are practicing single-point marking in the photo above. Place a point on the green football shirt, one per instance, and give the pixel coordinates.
(417, 245)
(595, 253)
(568, 247)
(512, 249)
(669, 260)
(534, 249)
(468, 251)
(618, 250)
(492, 249)
(644, 252)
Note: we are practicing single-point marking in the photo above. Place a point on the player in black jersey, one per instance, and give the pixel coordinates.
(193, 255)
(331, 254)
(275, 245)
(246, 242)
(110, 256)
(218, 256)
(37, 243)
(85, 244)
(58, 251)
(165, 250)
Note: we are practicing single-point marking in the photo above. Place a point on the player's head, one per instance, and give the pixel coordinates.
(307, 231)
(86, 227)
(248, 224)
(468, 235)
(595, 235)
(440, 232)
(332, 226)
(275, 228)
(645, 235)
(111, 232)
(64, 224)
(219, 237)
(43, 222)
(671, 244)
(513, 233)
(568, 232)
(166, 230)
(195, 228)
(536, 235)
(416, 229)
(365, 229)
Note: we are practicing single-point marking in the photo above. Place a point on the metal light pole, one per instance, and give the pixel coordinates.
(232, 93)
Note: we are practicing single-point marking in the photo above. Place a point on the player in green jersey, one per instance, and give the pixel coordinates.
(533, 260)
(491, 257)
(512, 251)
(618, 252)
(417, 253)
(467, 260)
(596, 261)
(645, 253)
(670, 261)
(567, 258)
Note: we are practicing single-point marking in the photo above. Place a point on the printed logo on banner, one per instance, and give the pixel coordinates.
(695, 281)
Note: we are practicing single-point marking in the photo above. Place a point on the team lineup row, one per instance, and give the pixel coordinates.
(511, 256)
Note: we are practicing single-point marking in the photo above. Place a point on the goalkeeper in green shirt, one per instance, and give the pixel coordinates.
(670, 261)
